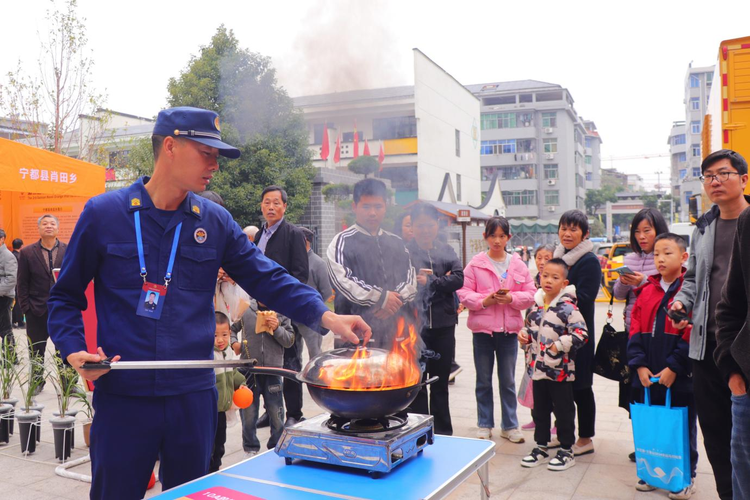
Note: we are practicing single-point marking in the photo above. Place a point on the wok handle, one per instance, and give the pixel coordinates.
(268, 370)
(431, 380)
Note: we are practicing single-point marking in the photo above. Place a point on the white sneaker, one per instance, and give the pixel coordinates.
(537, 457)
(484, 433)
(512, 435)
(642, 485)
(563, 461)
(684, 493)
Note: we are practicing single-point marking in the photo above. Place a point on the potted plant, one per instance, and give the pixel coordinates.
(28, 415)
(8, 362)
(82, 397)
(64, 380)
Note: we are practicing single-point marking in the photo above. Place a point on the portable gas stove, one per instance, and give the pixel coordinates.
(376, 445)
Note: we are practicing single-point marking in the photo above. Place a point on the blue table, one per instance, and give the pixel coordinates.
(439, 470)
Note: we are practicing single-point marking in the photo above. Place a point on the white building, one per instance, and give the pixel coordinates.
(635, 183)
(685, 137)
(429, 133)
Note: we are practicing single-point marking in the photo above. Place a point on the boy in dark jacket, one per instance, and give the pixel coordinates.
(657, 349)
(228, 380)
(267, 347)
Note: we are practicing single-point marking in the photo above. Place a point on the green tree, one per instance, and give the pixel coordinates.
(258, 115)
(364, 165)
(597, 198)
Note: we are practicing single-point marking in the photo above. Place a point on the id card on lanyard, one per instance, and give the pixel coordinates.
(153, 296)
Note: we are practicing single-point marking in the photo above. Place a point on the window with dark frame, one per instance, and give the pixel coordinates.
(458, 143)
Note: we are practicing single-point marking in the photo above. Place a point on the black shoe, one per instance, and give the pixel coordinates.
(290, 421)
(455, 370)
(263, 421)
(632, 457)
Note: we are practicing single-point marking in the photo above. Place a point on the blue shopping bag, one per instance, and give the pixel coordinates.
(662, 446)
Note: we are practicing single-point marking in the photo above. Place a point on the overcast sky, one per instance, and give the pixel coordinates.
(623, 62)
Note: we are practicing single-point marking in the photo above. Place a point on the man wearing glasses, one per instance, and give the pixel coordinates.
(724, 180)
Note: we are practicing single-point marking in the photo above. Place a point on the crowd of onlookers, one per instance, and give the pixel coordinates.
(686, 314)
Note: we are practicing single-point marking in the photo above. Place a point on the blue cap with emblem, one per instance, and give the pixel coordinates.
(199, 125)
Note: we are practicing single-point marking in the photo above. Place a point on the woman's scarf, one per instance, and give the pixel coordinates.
(572, 256)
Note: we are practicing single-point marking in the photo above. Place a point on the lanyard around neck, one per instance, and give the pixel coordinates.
(142, 260)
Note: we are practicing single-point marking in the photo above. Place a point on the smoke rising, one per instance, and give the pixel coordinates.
(344, 46)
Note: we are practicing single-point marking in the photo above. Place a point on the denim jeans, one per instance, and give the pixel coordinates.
(741, 447)
(504, 348)
(270, 387)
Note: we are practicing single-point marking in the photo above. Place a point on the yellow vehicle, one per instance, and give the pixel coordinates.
(726, 124)
(610, 261)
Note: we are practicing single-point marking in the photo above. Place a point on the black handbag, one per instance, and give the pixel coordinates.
(611, 358)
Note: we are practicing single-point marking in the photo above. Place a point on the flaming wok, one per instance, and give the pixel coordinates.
(348, 382)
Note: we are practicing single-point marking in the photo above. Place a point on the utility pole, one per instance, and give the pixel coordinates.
(658, 181)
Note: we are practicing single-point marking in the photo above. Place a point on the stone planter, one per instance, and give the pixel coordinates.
(63, 429)
(28, 427)
(4, 423)
(12, 402)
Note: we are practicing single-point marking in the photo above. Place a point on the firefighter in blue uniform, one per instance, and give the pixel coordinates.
(157, 236)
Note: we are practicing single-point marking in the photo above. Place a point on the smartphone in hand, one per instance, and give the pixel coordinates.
(623, 270)
(503, 291)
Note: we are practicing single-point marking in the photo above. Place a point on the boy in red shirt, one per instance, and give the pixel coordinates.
(657, 349)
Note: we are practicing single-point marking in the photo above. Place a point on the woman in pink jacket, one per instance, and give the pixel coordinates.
(497, 289)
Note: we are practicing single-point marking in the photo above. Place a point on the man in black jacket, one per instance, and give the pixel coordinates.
(732, 352)
(439, 275)
(370, 268)
(284, 243)
(35, 279)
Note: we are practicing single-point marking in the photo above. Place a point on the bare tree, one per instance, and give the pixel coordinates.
(56, 108)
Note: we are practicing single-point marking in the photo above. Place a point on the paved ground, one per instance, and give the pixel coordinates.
(607, 474)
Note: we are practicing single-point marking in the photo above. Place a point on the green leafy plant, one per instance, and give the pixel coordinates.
(82, 397)
(364, 165)
(64, 379)
(30, 377)
(7, 368)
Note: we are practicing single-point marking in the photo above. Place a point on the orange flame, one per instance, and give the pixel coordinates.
(401, 367)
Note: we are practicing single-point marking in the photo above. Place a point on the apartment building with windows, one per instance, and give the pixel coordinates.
(534, 143)
(685, 137)
(593, 158)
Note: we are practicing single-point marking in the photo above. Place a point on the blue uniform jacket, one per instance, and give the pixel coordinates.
(103, 248)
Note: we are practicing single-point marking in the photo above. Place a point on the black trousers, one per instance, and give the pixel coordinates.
(17, 314)
(714, 407)
(554, 397)
(586, 406)
(36, 329)
(6, 325)
(443, 342)
(220, 440)
(292, 389)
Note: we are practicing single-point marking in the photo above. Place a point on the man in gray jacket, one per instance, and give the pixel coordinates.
(8, 274)
(724, 180)
(318, 279)
(268, 349)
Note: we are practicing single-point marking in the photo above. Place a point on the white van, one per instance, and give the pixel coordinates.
(684, 229)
